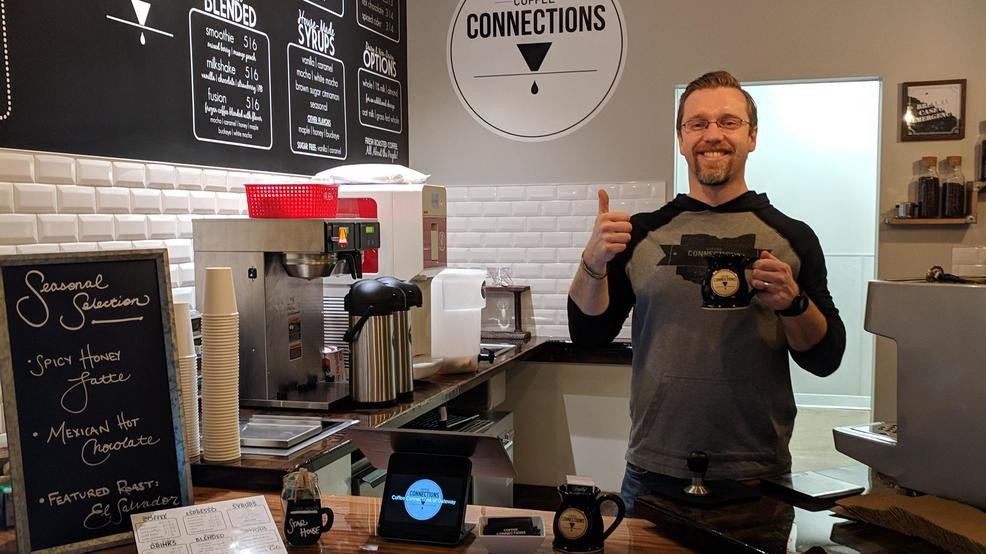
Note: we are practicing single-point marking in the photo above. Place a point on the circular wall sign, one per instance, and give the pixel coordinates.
(535, 70)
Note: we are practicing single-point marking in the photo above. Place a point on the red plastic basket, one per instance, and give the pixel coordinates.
(292, 200)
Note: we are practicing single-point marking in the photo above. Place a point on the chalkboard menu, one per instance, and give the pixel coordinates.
(294, 86)
(90, 395)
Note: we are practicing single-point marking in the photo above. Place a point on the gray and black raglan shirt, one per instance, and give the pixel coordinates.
(710, 380)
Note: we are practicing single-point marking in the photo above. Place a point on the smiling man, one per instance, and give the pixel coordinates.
(708, 380)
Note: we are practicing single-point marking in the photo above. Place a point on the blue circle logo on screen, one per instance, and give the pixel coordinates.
(423, 499)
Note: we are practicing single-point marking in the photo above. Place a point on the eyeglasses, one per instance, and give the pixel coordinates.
(727, 123)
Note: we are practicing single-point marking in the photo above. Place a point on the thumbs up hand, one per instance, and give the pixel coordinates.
(610, 235)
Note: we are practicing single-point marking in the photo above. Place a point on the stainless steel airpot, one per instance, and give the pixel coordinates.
(371, 305)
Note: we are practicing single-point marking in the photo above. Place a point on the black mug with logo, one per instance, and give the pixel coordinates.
(578, 523)
(725, 286)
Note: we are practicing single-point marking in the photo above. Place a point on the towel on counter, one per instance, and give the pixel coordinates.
(951, 525)
(371, 174)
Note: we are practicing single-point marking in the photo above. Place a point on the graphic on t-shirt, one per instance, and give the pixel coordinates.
(689, 256)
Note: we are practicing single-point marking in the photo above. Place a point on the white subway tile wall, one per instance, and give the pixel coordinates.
(73, 199)
(969, 261)
(129, 174)
(537, 232)
(114, 200)
(174, 201)
(6, 197)
(56, 170)
(97, 173)
(33, 199)
(145, 201)
(160, 176)
(95, 227)
(16, 166)
(51, 203)
(188, 178)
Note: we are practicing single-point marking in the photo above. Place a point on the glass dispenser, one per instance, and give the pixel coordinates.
(953, 193)
(929, 188)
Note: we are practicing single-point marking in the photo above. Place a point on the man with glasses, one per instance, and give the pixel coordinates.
(708, 380)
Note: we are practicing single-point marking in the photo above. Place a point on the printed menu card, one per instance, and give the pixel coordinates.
(232, 526)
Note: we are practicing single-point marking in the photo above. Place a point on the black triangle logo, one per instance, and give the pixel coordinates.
(534, 53)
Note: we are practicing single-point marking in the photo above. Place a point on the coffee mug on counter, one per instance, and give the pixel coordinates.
(578, 522)
(304, 523)
(304, 517)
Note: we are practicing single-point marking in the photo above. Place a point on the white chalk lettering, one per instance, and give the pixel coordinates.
(36, 282)
(56, 498)
(64, 434)
(75, 399)
(95, 453)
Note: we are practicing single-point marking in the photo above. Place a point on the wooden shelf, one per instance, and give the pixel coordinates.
(977, 187)
(936, 221)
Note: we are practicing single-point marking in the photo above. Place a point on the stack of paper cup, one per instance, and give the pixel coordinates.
(220, 367)
(188, 388)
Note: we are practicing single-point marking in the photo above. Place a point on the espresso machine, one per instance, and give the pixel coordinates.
(937, 444)
(278, 265)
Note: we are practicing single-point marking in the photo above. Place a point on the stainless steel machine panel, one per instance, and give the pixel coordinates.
(281, 324)
(939, 440)
(259, 235)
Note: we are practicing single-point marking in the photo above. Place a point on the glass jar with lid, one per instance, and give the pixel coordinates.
(953, 194)
(929, 188)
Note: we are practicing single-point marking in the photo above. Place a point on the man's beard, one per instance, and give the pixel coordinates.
(715, 176)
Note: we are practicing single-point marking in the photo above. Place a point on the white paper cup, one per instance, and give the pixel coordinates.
(183, 329)
(219, 296)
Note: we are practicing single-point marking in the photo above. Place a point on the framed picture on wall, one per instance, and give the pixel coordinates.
(932, 110)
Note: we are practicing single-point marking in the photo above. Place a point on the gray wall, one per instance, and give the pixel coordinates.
(671, 42)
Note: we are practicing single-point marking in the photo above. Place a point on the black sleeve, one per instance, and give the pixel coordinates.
(823, 358)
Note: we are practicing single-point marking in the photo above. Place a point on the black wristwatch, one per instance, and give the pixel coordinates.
(798, 306)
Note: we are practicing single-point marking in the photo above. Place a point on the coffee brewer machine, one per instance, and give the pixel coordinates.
(413, 249)
(938, 442)
(277, 268)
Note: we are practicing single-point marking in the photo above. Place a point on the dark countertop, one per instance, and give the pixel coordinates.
(266, 471)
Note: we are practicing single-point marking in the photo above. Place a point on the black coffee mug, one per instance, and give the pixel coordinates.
(304, 523)
(725, 286)
(578, 525)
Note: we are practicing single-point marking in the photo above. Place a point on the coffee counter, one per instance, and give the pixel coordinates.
(264, 472)
(767, 525)
(354, 529)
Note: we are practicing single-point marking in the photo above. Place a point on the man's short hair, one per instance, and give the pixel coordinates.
(718, 79)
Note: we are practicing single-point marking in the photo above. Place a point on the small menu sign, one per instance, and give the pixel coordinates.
(90, 395)
(232, 526)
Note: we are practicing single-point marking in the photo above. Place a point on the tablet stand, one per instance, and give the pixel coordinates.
(451, 456)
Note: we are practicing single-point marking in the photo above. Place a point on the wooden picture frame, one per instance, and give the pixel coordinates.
(102, 320)
(932, 110)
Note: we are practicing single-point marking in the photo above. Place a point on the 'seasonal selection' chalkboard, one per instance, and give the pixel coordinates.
(87, 365)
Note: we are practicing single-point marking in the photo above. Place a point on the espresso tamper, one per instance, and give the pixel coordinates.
(698, 464)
